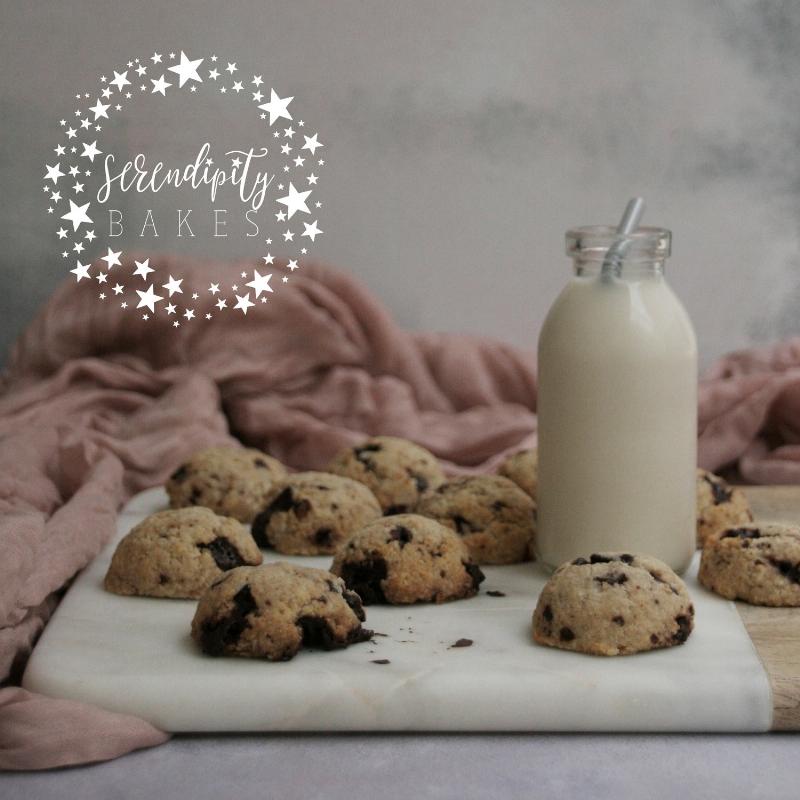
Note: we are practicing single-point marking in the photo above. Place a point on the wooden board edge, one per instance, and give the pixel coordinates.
(775, 633)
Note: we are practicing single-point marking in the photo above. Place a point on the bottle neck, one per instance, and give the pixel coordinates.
(627, 270)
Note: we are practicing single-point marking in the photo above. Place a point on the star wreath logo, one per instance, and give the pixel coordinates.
(290, 193)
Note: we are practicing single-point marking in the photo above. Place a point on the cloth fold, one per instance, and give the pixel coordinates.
(98, 404)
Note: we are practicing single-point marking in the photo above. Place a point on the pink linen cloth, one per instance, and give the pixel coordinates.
(98, 405)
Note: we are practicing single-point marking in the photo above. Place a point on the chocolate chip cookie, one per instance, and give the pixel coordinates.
(613, 604)
(759, 564)
(407, 558)
(397, 471)
(233, 481)
(273, 610)
(312, 513)
(719, 506)
(522, 468)
(494, 517)
(179, 553)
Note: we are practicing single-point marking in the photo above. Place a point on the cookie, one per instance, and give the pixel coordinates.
(232, 481)
(273, 610)
(312, 513)
(613, 604)
(397, 471)
(494, 517)
(522, 467)
(179, 553)
(759, 564)
(407, 558)
(719, 506)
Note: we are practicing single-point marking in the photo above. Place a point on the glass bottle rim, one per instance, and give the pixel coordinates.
(591, 243)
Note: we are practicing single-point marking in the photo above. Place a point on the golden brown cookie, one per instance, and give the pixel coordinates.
(273, 610)
(232, 481)
(522, 467)
(719, 506)
(613, 604)
(406, 558)
(494, 517)
(312, 513)
(397, 471)
(179, 553)
(759, 564)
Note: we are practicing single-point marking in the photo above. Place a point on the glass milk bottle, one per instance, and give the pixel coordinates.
(617, 406)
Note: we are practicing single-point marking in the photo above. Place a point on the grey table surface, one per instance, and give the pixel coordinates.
(463, 766)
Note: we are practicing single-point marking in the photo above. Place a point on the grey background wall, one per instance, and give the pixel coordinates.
(464, 138)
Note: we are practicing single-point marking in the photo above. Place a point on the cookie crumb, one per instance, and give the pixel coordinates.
(462, 643)
(380, 661)
(495, 593)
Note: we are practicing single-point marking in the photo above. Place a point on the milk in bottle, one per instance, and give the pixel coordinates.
(617, 407)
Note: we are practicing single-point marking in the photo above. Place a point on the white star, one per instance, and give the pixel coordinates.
(257, 80)
(260, 283)
(276, 107)
(80, 271)
(214, 288)
(231, 68)
(123, 305)
(71, 133)
(288, 131)
(101, 277)
(189, 313)
(170, 308)
(156, 58)
(243, 303)
(288, 236)
(195, 296)
(60, 150)
(295, 201)
(208, 316)
(237, 86)
(312, 231)
(77, 247)
(176, 324)
(285, 149)
(100, 110)
(141, 70)
(112, 258)
(268, 258)
(90, 151)
(312, 144)
(213, 74)
(280, 216)
(222, 304)
(73, 171)
(54, 172)
(143, 268)
(118, 289)
(173, 286)
(186, 70)
(120, 80)
(77, 188)
(312, 178)
(160, 86)
(62, 233)
(292, 265)
(299, 161)
(148, 299)
(77, 215)
(258, 97)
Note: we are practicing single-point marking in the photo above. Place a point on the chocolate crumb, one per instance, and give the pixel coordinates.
(495, 593)
(380, 661)
(566, 635)
(618, 620)
(462, 643)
